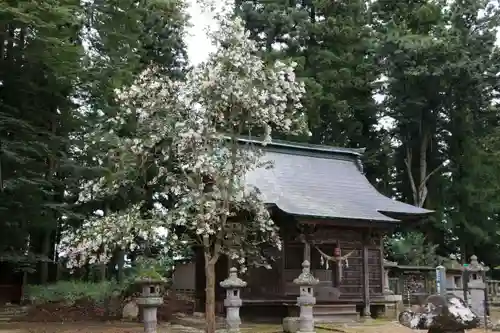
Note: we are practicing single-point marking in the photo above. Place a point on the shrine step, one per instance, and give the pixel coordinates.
(12, 312)
(324, 313)
(337, 308)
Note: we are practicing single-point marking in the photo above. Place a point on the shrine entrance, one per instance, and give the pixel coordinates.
(326, 272)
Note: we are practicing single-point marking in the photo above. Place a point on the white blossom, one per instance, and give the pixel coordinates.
(190, 129)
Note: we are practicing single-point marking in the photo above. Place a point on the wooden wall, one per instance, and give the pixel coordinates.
(277, 283)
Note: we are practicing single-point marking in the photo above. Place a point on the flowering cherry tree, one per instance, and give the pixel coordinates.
(192, 128)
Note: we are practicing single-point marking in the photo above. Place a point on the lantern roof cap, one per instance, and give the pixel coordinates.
(306, 278)
(233, 281)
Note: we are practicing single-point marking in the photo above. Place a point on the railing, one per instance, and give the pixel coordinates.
(394, 285)
(182, 294)
(493, 287)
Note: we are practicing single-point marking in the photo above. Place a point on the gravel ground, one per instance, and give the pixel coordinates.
(120, 327)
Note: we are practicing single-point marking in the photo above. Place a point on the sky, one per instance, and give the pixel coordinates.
(198, 44)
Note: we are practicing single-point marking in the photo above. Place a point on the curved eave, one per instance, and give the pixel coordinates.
(388, 217)
(314, 215)
(405, 217)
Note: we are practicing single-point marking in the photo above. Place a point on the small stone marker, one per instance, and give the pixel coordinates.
(233, 285)
(441, 280)
(130, 310)
(149, 301)
(306, 282)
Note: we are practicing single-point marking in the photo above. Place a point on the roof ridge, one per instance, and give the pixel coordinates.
(358, 152)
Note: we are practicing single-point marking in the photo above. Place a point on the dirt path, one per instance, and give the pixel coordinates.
(119, 327)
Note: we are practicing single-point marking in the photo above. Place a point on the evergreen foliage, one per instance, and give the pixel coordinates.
(415, 82)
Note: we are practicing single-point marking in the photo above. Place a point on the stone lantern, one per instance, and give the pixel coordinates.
(475, 291)
(306, 300)
(150, 299)
(233, 285)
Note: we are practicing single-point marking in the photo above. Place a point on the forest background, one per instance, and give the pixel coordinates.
(413, 82)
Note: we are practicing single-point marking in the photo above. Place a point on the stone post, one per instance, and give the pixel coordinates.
(387, 266)
(387, 289)
(441, 287)
(232, 302)
(149, 301)
(306, 282)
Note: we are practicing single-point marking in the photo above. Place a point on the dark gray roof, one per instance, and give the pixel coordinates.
(321, 181)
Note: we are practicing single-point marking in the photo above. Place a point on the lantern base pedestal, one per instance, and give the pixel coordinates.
(150, 320)
(149, 307)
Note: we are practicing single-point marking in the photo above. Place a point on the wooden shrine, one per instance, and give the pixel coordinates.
(329, 214)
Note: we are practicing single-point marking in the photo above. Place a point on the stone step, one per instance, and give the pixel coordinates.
(334, 308)
(335, 313)
(17, 315)
(11, 312)
(10, 318)
(344, 317)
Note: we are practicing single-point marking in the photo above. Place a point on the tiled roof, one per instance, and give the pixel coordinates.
(326, 182)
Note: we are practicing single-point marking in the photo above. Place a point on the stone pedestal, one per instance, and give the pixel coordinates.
(291, 324)
(306, 282)
(149, 301)
(392, 306)
(232, 302)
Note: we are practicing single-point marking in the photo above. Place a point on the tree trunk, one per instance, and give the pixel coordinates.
(59, 270)
(102, 272)
(120, 273)
(209, 295)
(44, 265)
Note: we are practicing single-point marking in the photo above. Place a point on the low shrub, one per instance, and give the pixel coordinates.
(71, 291)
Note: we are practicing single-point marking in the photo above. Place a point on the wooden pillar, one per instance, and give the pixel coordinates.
(366, 276)
(384, 274)
(307, 251)
(283, 266)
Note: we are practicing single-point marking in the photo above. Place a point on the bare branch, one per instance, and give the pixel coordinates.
(439, 167)
(408, 162)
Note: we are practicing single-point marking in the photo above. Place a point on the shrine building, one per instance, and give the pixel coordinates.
(329, 214)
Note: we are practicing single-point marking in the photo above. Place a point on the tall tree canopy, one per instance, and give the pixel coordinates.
(441, 64)
(60, 63)
(414, 82)
(434, 65)
(333, 45)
